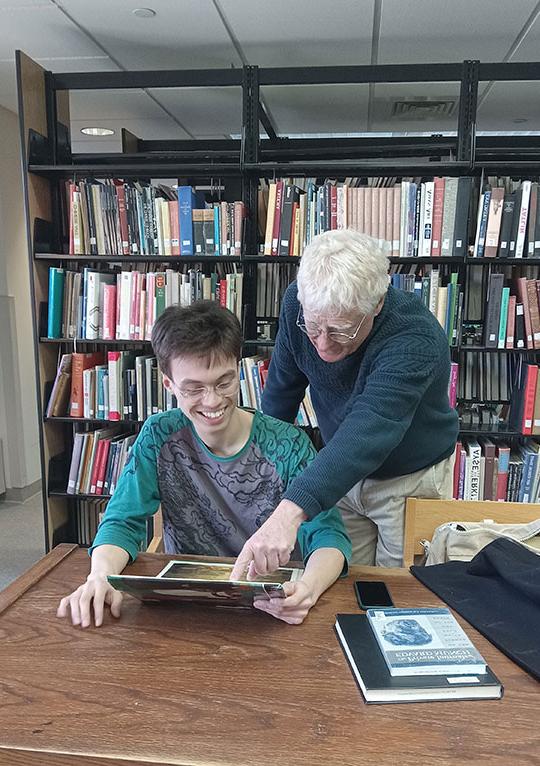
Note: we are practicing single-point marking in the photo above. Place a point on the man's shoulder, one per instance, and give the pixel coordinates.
(407, 316)
(163, 424)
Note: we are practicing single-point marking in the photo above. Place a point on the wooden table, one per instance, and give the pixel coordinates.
(200, 686)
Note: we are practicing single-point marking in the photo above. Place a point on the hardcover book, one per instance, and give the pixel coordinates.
(424, 642)
(378, 686)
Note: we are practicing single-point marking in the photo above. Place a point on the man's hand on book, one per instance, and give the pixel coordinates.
(271, 545)
(95, 592)
(292, 609)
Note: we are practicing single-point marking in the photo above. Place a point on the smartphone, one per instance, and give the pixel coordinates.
(371, 593)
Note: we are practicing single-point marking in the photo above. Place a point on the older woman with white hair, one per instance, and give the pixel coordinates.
(377, 363)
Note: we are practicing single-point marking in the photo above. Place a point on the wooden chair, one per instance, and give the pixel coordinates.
(156, 543)
(422, 517)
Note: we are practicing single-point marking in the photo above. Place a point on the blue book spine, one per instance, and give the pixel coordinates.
(483, 225)
(411, 217)
(186, 200)
(56, 302)
(526, 477)
(102, 372)
(256, 385)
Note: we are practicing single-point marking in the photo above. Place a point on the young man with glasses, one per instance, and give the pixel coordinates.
(377, 363)
(217, 470)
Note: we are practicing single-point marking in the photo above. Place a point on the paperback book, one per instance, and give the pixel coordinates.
(424, 642)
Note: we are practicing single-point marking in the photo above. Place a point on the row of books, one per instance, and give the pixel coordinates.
(253, 374)
(512, 313)
(88, 515)
(115, 217)
(486, 377)
(116, 385)
(271, 285)
(124, 305)
(444, 301)
(415, 218)
(97, 460)
(508, 221)
(493, 470)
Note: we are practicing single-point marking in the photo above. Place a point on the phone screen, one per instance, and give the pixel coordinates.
(372, 593)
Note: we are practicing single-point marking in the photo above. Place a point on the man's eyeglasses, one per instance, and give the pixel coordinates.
(312, 330)
(201, 392)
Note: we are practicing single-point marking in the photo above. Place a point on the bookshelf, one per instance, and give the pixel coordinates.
(240, 164)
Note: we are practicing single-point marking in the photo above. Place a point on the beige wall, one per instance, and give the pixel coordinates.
(18, 410)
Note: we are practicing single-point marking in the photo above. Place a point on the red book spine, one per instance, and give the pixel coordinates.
(511, 322)
(333, 207)
(100, 476)
(223, 292)
(277, 217)
(95, 467)
(529, 397)
(438, 209)
(109, 312)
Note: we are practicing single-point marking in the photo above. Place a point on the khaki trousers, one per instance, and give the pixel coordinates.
(373, 511)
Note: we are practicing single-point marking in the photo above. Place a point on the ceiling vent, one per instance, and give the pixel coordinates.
(422, 109)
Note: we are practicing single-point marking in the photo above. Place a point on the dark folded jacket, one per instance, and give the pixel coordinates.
(498, 592)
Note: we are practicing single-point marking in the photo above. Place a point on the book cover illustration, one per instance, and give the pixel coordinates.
(422, 641)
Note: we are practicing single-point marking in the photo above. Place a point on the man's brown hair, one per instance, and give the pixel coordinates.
(205, 330)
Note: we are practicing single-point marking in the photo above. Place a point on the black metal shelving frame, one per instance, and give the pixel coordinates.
(260, 152)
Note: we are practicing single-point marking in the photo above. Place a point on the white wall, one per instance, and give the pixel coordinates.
(18, 409)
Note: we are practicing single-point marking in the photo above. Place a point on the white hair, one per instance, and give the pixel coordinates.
(342, 271)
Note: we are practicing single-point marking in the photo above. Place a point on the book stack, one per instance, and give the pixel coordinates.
(413, 218)
(115, 217)
(253, 374)
(508, 222)
(118, 385)
(414, 655)
(124, 305)
(97, 461)
(442, 295)
(512, 313)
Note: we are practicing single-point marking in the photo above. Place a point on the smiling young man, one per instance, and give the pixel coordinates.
(377, 363)
(217, 470)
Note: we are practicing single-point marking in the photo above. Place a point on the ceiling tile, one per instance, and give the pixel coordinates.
(317, 108)
(182, 35)
(508, 102)
(416, 32)
(303, 33)
(204, 111)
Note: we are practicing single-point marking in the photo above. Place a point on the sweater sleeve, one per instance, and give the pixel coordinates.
(135, 499)
(286, 384)
(326, 530)
(375, 424)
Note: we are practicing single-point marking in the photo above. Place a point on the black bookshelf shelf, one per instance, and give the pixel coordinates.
(458, 261)
(117, 258)
(502, 261)
(263, 343)
(501, 430)
(60, 493)
(271, 259)
(375, 167)
(137, 170)
(498, 350)
(97, 342)
(67, 419)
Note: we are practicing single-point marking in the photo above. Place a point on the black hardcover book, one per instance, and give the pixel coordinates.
(198, 231)
(461, 225)
(519, 332)
(506, 225)
(378, 686)
(493, 310)
(416, 234)
(286, 220)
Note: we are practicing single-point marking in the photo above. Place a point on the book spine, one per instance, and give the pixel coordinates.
(56, 302)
